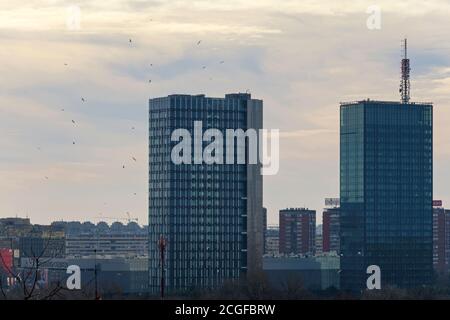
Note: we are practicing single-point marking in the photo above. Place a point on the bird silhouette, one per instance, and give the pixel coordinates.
(82, 99)
(200, 41)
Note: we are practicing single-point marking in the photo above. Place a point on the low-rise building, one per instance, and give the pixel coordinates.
(122, 245)
(297, 231)
(441, 238)
(272, 241)
(313, 273)
(113, 275)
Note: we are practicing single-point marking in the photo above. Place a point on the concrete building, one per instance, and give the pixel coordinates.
(441, 239)
(319, 239)
(22, 227)
(331, 229)
(313, 273)
(77, 228)
(209, 215)
(26, 239)
(114, 275)
(329, 267)
(42, 247)
(297, 231)
(115, 245)
(272, 245)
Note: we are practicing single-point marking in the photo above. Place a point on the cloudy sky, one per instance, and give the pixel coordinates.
(301, 57)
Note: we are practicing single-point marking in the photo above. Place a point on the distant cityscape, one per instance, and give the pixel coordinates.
(295, 248)
(208, 227)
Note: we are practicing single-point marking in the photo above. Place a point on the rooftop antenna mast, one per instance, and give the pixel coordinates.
(405, 86)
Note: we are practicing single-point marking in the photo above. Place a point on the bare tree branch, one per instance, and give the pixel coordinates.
(2, 289)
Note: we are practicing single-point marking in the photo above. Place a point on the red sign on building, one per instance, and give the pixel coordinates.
(6, 259)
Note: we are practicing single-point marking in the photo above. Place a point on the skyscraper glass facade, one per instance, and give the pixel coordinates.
(201, 210)
(386, 186)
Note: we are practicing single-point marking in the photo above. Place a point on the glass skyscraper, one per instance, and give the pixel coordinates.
(209, 214)
(386, 187)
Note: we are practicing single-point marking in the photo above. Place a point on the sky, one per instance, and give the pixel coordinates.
(300, 57)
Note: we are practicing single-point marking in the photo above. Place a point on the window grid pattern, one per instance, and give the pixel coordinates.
(386, 192)
(200, 209)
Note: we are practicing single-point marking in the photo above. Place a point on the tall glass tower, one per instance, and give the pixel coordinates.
(386, 187)
(209, 215)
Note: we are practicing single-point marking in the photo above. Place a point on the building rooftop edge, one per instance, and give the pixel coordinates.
(296, 209)
(227, 95)
(384, 102)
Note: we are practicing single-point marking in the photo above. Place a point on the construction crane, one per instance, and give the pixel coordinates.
(128, 219)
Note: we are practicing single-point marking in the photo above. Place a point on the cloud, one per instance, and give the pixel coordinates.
(301, 57)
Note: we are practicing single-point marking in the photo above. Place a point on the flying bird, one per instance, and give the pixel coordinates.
(149, 81)
(46, 177)
(73, 142)
(62, 109)
(204, 67)
(134, 159)
(82, 99)
(222, 62)
(123, 167)
(200, 41)
(132, 128)
(73, 121)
